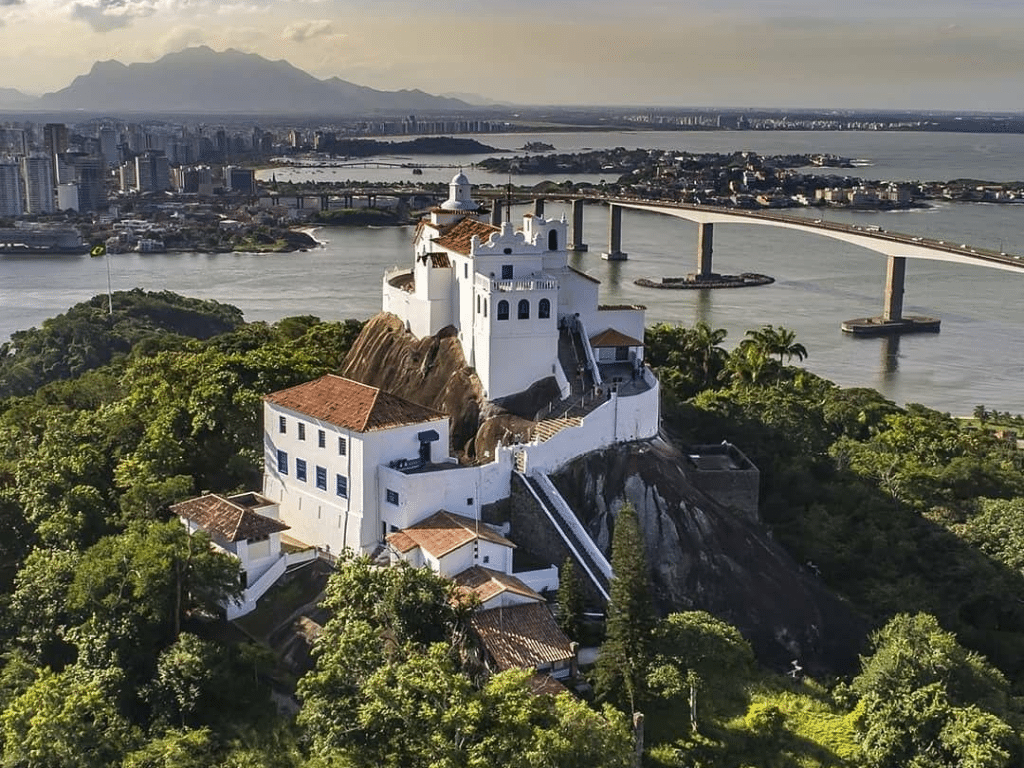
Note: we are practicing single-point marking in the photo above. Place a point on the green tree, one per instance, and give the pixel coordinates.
(697, 653)
(570, 601)
(135, 587)
(623, 664)
(925, 700)
(68, 720)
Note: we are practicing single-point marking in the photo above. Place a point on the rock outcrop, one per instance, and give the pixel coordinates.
(704, 557)
(433, 372)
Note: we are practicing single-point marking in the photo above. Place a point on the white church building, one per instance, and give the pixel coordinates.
(348, 466)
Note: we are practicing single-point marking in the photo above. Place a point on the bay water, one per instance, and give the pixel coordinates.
(977, 358)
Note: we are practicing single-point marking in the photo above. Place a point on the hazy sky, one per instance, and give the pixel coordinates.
(943, 54)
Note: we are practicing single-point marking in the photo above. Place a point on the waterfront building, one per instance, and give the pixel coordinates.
(37, 172)
(241, 180)
(10, 188)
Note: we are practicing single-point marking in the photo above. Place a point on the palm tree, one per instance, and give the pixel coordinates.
(777, 341)
(703, 346)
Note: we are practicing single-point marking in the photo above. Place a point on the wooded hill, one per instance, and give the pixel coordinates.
(112, 655)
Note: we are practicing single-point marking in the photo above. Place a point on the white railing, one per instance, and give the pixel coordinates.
(522, 284)
(585, 340)
(565, 540)
(256, 590)
(570, 519)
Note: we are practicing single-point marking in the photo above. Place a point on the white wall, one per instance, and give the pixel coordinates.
(619, 419)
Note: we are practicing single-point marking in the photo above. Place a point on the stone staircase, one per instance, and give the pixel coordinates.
(548, 428)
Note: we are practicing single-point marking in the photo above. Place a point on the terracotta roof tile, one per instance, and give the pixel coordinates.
(444, 532)
(228, 518)
(613, 338)
(440, 260)
(486, 583)
(457, 236)
(351, 405)
(522, 636)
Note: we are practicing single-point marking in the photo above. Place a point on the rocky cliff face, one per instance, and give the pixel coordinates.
(433, 372)
(704, 557)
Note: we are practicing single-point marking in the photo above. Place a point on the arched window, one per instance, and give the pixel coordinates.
(553, 240)
(544, 309)
(478, 305)
(503, 310)
(524, 309)
(485, 307)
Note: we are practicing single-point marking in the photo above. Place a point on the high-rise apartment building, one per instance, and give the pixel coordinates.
(91, 173)
(37, 172)
(55, 139)
(152, 172)
(10, 189)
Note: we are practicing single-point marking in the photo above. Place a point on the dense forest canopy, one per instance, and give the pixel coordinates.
(112, 655)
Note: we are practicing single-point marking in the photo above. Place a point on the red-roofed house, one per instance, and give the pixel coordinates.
(245, 526)
(325, 442)
(448, 544)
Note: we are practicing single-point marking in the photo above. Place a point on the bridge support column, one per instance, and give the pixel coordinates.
(895, 276)
(614, 252)
(576, 233)
(496, 213)
(705, 239)
(325, 202)
(371, 201)
(892, 320)
(538, 207)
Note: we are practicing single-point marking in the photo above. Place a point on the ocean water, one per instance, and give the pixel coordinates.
(977, 358)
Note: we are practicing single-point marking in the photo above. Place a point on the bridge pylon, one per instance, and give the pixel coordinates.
(614, 252)
(892, 319)
(576, 231)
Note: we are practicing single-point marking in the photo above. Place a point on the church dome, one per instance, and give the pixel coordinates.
(460, 194)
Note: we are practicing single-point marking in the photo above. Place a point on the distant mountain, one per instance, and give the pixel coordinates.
(201, 80)
(11, 98)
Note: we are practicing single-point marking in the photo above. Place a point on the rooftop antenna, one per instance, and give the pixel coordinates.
(508, 198)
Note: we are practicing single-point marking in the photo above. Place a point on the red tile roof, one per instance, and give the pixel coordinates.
(457, 236)
(486, 583)
(613, 338)
(522, 636)
(351, 405)
(444, 532)
(228, 518)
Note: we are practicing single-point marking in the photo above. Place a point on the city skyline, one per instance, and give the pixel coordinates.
(916, 54)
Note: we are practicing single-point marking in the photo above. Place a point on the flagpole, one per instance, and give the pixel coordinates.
(110, 294)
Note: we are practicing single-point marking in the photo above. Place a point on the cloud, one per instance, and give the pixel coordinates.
(301, 31)
(107, 15)
(181, 37)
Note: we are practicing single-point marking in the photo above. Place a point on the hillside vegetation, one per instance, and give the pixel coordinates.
(112, 655)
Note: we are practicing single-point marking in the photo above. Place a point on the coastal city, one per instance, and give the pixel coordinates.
(190, 187)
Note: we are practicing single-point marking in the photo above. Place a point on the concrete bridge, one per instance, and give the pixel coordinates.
(897, 247)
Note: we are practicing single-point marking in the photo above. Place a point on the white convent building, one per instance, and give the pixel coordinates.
(351, 466)
(506, 291)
